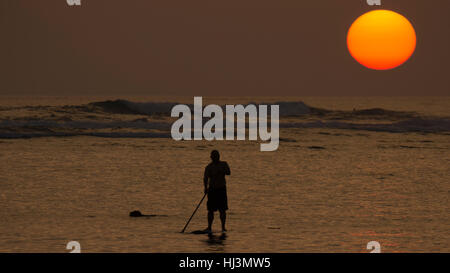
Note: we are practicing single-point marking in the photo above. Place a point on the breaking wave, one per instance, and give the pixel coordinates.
(136, 108)
(412, 125)
(287, 108)
(152, 119)
(153, 108)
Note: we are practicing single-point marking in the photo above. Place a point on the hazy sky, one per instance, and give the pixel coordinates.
(210, 47)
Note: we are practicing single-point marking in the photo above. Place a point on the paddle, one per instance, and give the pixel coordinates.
(193, 214)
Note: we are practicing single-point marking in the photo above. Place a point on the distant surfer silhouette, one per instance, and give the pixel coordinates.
(215, 187)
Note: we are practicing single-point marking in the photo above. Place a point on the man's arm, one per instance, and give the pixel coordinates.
(226, 168)
(205, 180)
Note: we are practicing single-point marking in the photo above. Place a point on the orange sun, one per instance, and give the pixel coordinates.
(381, 39)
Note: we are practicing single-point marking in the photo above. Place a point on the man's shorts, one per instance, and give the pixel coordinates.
(217, 199)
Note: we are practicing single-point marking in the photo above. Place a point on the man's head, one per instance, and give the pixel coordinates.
(215, 156)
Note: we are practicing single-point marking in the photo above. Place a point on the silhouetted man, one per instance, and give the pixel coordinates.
(216, 188)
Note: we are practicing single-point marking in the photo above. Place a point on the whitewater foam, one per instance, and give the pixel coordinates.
(122, 118)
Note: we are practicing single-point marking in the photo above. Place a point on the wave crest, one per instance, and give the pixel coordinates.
(105, 118)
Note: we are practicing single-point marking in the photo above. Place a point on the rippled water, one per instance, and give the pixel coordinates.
(324, 190)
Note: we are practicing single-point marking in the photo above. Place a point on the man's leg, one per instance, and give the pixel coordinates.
(223, 219)
(210, 219)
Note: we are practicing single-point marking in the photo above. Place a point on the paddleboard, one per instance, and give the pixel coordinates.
(206, 232)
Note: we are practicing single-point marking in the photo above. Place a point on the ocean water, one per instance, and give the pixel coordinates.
(348, 171)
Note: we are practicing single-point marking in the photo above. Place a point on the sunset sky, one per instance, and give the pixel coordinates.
(206, 47)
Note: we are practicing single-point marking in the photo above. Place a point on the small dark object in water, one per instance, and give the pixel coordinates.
(136, 213)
